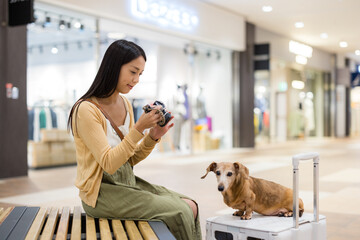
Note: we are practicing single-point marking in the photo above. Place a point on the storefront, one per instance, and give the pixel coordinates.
(295, 102)
(188, 68)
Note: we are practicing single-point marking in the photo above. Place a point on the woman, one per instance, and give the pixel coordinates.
(107, 184)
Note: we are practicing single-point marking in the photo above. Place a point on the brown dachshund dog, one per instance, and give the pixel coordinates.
(248, 194)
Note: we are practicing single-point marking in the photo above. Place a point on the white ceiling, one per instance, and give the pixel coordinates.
(338, 18)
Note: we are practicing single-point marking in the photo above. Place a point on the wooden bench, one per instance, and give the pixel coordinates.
(32, 223)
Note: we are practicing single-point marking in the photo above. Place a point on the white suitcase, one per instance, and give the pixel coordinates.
(308, 227)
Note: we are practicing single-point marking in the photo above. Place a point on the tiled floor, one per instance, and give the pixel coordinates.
(339, 180)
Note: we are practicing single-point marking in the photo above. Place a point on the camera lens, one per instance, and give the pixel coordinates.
(166, 116)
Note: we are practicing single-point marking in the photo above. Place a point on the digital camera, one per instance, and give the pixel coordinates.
(165, 115)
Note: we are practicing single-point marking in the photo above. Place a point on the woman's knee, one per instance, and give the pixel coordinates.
(193, 206)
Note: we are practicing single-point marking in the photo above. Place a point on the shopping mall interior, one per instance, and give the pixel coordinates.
(240, 88)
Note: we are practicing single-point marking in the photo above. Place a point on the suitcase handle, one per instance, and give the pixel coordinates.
(295, 161)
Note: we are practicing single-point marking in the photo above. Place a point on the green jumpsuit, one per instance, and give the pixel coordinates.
(128, 197)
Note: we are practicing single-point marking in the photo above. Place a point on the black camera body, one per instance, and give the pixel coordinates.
(165, 115)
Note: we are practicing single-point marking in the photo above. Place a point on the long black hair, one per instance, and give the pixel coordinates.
(118, 53)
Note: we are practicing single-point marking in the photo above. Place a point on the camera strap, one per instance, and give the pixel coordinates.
(117, 130)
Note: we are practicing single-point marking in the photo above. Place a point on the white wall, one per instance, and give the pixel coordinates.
(227, 29)
(58, 81)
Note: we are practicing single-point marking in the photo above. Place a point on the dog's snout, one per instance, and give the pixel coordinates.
(221, 188)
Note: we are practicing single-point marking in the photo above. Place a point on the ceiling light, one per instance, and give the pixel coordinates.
(357, 52)
(267, 8)
(324, 35)
(299, 24)
(343, 44)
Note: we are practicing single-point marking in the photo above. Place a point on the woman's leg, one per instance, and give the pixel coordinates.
(133, 203)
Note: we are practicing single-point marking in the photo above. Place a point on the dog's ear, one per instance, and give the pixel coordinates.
(211, 167)
(246, 171)
(239, 167)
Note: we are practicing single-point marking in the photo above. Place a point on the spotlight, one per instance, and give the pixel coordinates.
(208, 54)
(218, 55)
(47, 22)
(62, 25)
(54, 50)
(77, 24)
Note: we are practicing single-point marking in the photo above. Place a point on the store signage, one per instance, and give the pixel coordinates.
(21, 12)
(301, 59)
(297, 84)
(165, 13)
(300, 49)
(262, 56)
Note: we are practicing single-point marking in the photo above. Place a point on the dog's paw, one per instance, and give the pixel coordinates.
(245, 217)
(238, 213)
(288, 214)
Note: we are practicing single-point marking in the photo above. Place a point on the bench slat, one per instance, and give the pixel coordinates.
(76, 224)
(132, 230)
(24, 224)
(146, 231)
(10, 222)
(35, 228)
(90, 228)
(105, 232)
(50, 225)
(18, 222)
(161, 230)
(118, 230)
(62, 230)
(5, 213)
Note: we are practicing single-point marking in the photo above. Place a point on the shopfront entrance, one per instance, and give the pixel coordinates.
(193, 80)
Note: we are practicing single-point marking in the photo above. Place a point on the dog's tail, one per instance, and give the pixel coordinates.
(301, 211)
(301, 207)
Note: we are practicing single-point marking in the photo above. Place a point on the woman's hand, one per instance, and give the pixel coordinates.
(148, 120)
(157, 132)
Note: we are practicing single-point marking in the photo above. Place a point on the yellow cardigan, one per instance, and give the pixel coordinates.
(94, 154)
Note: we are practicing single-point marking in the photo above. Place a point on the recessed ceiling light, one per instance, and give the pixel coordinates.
(267, 8)
(324, 35)
(299, 24)
(54, 50)
(343, 44)
(357, 52)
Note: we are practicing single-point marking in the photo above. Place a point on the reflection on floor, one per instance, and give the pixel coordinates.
(339, 180)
